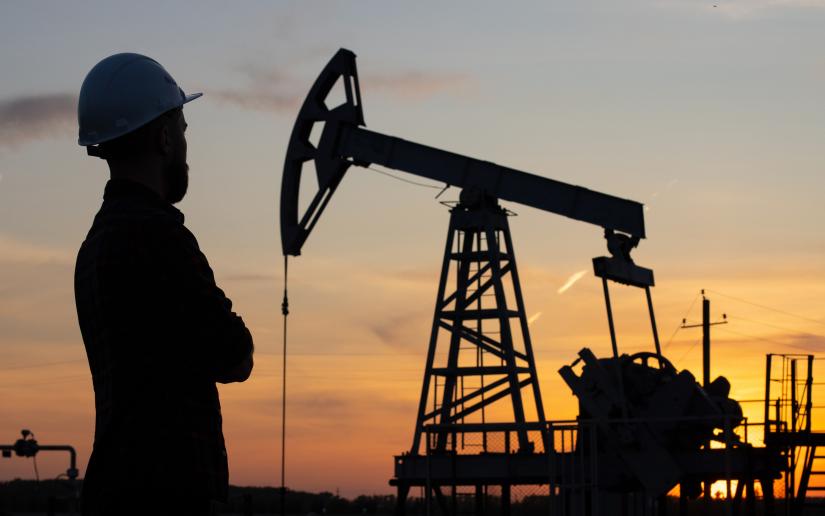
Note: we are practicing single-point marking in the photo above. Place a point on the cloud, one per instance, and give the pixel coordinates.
(321, 405)
(416, 85)
(655, 195)
(395, 331)
(14, 251)
(267, 89)
(250, 276)
(276, 90)
(261, 100)
(28, 117)
(316, 412)
(807, 342)
(571, 281)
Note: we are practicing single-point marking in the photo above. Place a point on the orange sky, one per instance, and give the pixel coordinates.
(711, 117)
(353, 389)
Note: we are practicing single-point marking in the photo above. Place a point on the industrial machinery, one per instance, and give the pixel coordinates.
(27, 446)
(661, 411)
(644, 427)
(489, 352)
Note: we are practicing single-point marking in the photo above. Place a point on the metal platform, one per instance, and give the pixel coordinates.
(589, 473)
(557, 468)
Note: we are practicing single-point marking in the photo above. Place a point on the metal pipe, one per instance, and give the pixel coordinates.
(72, 456)
(618, 366)
(610, 319)
(794, 409)
(809, 382)
(793, 457)
(728, 433)
(428, 496)
(767, 394)
(653, 321)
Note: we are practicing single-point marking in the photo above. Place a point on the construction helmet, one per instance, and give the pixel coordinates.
(122, 93)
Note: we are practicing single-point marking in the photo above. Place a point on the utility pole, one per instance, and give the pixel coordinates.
(705, 341)
(706, 324)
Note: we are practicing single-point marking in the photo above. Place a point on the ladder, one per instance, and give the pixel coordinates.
(790, 428)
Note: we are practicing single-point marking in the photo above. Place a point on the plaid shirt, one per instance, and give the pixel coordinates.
(158, 334)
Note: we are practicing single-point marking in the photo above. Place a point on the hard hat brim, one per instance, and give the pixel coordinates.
(121, 94)
(87, 142)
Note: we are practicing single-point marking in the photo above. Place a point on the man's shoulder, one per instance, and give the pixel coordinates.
(130, 226)
(127, 211)
(134, 211)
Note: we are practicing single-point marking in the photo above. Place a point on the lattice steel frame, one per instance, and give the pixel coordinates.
(479, 249)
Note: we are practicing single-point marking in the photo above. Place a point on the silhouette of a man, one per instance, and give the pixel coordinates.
(158, 331)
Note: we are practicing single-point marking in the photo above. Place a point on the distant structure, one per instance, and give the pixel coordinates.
(28, 447)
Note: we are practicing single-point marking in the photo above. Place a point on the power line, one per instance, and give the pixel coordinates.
(686, 353)
(783, 328)
(46, 364)
(27, 384)
(414, 377)
(344, 354)
(765, 339)
(766, 307)
(679, 325)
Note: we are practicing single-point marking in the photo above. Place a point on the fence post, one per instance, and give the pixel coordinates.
(728, 499)
(808, 387)
(767, 393)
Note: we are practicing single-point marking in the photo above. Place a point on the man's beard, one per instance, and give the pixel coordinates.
(177, 181)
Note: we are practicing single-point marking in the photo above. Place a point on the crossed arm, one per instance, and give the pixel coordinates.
(239, 373)
(221, 344)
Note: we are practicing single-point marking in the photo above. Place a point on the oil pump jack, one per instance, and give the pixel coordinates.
(485, 394)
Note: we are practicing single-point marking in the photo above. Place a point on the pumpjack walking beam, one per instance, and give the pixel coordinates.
(343, 144)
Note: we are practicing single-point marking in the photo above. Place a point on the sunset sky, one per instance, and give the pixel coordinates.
(711, 113)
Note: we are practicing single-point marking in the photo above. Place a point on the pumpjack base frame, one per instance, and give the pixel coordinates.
(449, 470)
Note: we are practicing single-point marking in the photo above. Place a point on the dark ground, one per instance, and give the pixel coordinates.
(30, 497)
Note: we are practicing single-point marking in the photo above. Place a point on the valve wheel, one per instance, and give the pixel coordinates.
(645, 357)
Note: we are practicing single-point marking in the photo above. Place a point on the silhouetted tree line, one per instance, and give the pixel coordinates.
(267, 500)
(33, 496)
(58, 496)
(55, 496)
